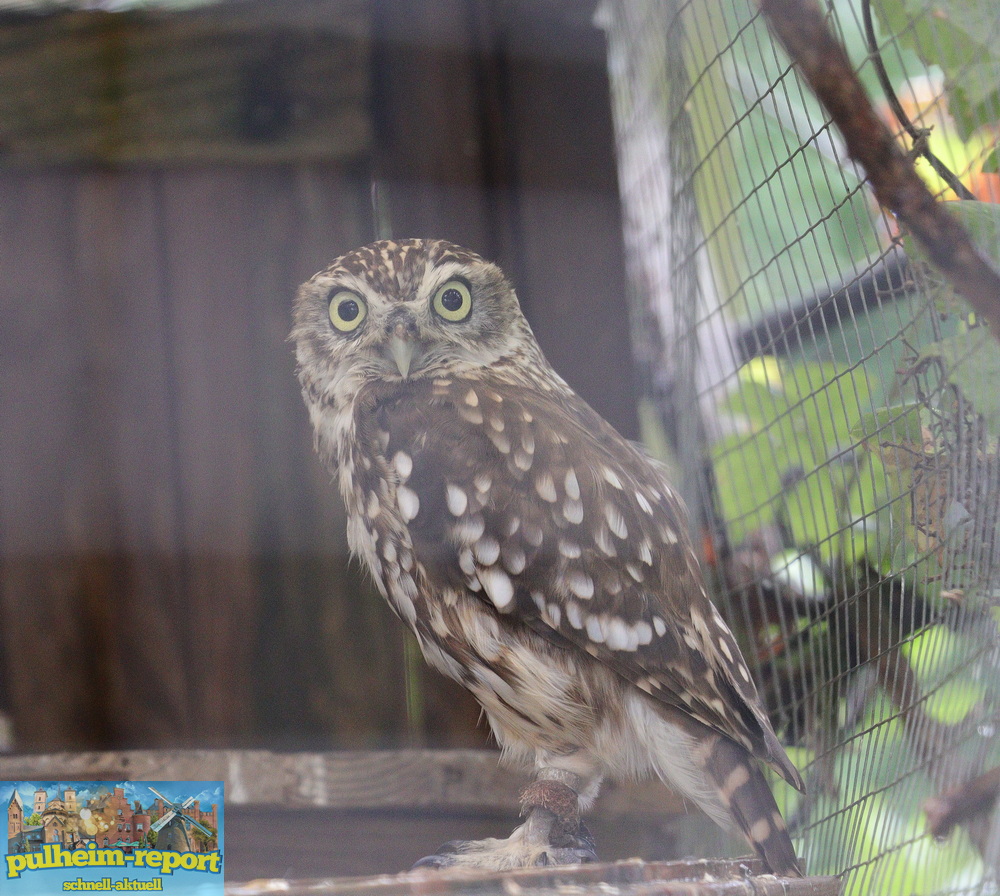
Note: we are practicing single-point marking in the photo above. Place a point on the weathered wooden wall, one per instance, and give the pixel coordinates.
(173, 566)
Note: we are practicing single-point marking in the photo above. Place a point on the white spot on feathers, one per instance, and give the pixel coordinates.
(467, 562)
(660, 626)
(602, 539)
(546, 488)
(500, 441)
(580, 584)
(595, 629)
(573, 616)
(514, 560)
(457, 499)
(569, 549)
(470, 528)
(487, 550)
(403, 464)
(572, 485)
(470, 415)
(619, 635)
(724, 647)
(760, 830)
(616, 522)
(498, 586)
(573, 511)
(409, 503)
(610, 477)
(471, 399)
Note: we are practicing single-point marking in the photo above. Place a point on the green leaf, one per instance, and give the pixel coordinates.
(971, 362)
(991, 164)
(900, 424)
(960, 36)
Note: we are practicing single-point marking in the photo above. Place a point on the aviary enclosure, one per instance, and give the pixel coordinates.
(832, 404)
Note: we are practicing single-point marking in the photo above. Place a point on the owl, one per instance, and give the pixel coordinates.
(540, 559)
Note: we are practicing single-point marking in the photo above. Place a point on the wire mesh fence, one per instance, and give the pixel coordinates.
(832, 407)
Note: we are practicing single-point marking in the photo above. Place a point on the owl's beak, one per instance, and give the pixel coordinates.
(401, 351)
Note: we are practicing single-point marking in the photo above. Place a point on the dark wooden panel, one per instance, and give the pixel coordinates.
(48, 467)
(569, 221)
(248, 82)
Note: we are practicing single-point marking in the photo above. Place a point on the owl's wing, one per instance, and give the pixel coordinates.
(533, 502)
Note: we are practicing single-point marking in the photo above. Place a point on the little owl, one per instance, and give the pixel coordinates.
(540, 559)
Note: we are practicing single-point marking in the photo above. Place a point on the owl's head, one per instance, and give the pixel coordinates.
(404, 311)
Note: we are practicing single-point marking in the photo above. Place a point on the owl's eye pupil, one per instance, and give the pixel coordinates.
(348, 310)
(451, 299)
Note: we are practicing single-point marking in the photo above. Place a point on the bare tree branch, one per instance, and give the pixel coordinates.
(801, 27)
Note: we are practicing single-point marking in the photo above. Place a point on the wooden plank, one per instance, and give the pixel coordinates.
(571, 254)
(632, 877)
(49, 521)
(148, 597)
(400, 780)
(234, 83)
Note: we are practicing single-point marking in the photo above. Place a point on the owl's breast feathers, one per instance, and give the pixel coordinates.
(528, 500)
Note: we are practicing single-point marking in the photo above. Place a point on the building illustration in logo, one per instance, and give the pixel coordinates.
(108, 820)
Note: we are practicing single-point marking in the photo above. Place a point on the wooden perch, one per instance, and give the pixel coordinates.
(801, 27)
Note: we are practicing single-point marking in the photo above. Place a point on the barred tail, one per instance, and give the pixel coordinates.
(746, 795)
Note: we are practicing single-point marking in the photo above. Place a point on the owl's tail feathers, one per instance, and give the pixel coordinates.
(748, 797)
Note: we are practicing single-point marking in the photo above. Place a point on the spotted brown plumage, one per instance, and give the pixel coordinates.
(541, 559)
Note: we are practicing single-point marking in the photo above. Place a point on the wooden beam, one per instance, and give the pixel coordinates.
(398, 780)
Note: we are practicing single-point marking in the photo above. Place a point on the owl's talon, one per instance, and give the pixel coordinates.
(436, 861)
(521, 850)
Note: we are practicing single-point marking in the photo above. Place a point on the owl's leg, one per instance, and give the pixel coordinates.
(552, 833)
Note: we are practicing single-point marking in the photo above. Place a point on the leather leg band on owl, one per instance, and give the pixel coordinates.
(552, 806)
(558, 801)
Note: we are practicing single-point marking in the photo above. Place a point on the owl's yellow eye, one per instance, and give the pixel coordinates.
(347, 310)
(453, 301)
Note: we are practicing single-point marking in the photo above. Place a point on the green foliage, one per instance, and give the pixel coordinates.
(792, 460)
(773, 193)
(962, 37)
(970, 362)
(969, 358)
(819, 453)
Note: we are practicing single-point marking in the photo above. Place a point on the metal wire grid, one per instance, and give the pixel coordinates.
(740, 202)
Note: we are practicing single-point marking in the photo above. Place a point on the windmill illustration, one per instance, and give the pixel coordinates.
(172, 823)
